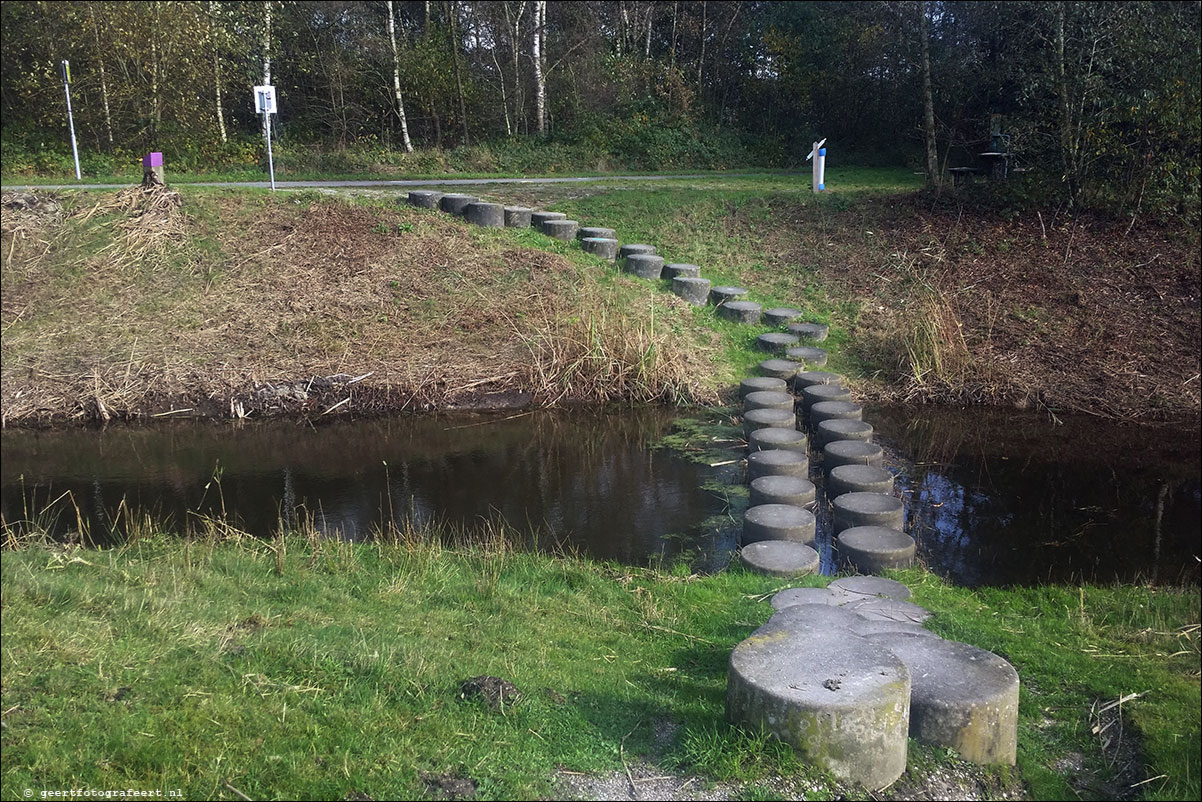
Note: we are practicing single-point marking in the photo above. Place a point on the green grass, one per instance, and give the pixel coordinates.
(303, 668)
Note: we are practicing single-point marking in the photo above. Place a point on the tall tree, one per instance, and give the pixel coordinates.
(396, 80)
(928, 99)
(538, 56)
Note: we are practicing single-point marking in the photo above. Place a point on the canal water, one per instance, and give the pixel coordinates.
(993, 497)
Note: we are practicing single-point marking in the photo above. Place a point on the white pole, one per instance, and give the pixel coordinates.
(814, 157)
(270, 163)
(66, 70)
(820, 165)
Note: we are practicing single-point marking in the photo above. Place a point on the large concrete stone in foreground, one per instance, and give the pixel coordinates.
(779, 558)
(961, 697)
(778, 522)
(868, 509)
(840, 700)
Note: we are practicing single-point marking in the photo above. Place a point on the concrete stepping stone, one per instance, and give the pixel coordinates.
(840, 700)
(851, 452)
(740, 311)
(769, 439)
(890, 610)
(726, 293)
(815, 357)
(777, 462)
(858, 479)
(538, 218)
(774, 342)
(872, 587)
(767, 419)
(425, 198)
(780, 368)
(961, 697)
(603, 247)
(814, 332)
(871, 549)
(644, 265)
(783, 558)
(791, 490)
(633, 248)
(868, 509)
(517, 216)
(560, 229)
(792, 597)
(675, 269)
(768, 399)
(830, 431)
(693, 289)
(835, 410)
(780, 315)
(490, 215)
(596, 231)
(808, 378)
(816, 616)
(778, 522)
(822, 392)
(455, 203)
(754, 384)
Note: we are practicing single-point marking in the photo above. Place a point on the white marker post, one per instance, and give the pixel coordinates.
(64, 69)
(818, 154)
(265, 105)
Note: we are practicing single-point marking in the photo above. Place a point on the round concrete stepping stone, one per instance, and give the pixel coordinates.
(814, 332)
(872, 587)
(961, 697)
(867, 509)
(491, 215)
(455, 203)
(779, 368)
(774, 342)
(693, 289)
(726, 293)
(780, 315)
(766, 419)
(777, 462)
(851, 452)
(835, 410)
(675, 269)
(779, 558)
(874, 548)
(768, 399)
(644, 265)
(517, 216)
(808, 378)
(633, 248)
(822, 392)
(830, 431)
(425, 198)
(791, 490)
(600, 246)
(858, 479)
(596, 231)
(769, 439)
(560, 229)
(754, 384)
(538, 218)
(840, 700)
(890, 610)
(740, 311)
(793, 597)
(815, 357)
(778, 522)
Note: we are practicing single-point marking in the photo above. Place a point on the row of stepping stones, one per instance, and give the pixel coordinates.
(847, 673)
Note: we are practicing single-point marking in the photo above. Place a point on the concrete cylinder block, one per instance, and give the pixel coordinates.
(560, 229)
(768, 399)
(774, 342)
(425, 198)
(835, 410)
(600, 246)
(645, 265)
(778, 522)
(806, 378)
(774, 438)
(633, 248)
(490, 215)
(755, 384)
(596, 231)
(780, 315)
(791, 490)
(517, 216)
(851, 452)
(725, 293)
(814, 332)
(782, 558)
(455, 203)
(868, 509)
(779, 368)
(777, 462)
(740, 311)
(858, 479)
(872, 549)
(538, 218)
(813, 357)
(822, 392)
(830, 431)
(693, 289)
(675, 269)
(767, 419)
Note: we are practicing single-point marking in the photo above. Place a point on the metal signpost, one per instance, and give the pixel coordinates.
(265, 105)
(64, 69)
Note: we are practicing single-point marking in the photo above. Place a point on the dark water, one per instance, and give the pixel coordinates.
(1005, 497)
(584, 480)
(993, 497)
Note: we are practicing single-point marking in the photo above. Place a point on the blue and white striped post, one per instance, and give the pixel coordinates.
(818, 154)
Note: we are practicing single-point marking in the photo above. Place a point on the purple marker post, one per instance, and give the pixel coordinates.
(152, 170)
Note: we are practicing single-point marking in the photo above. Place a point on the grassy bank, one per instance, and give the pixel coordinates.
(309, 668)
